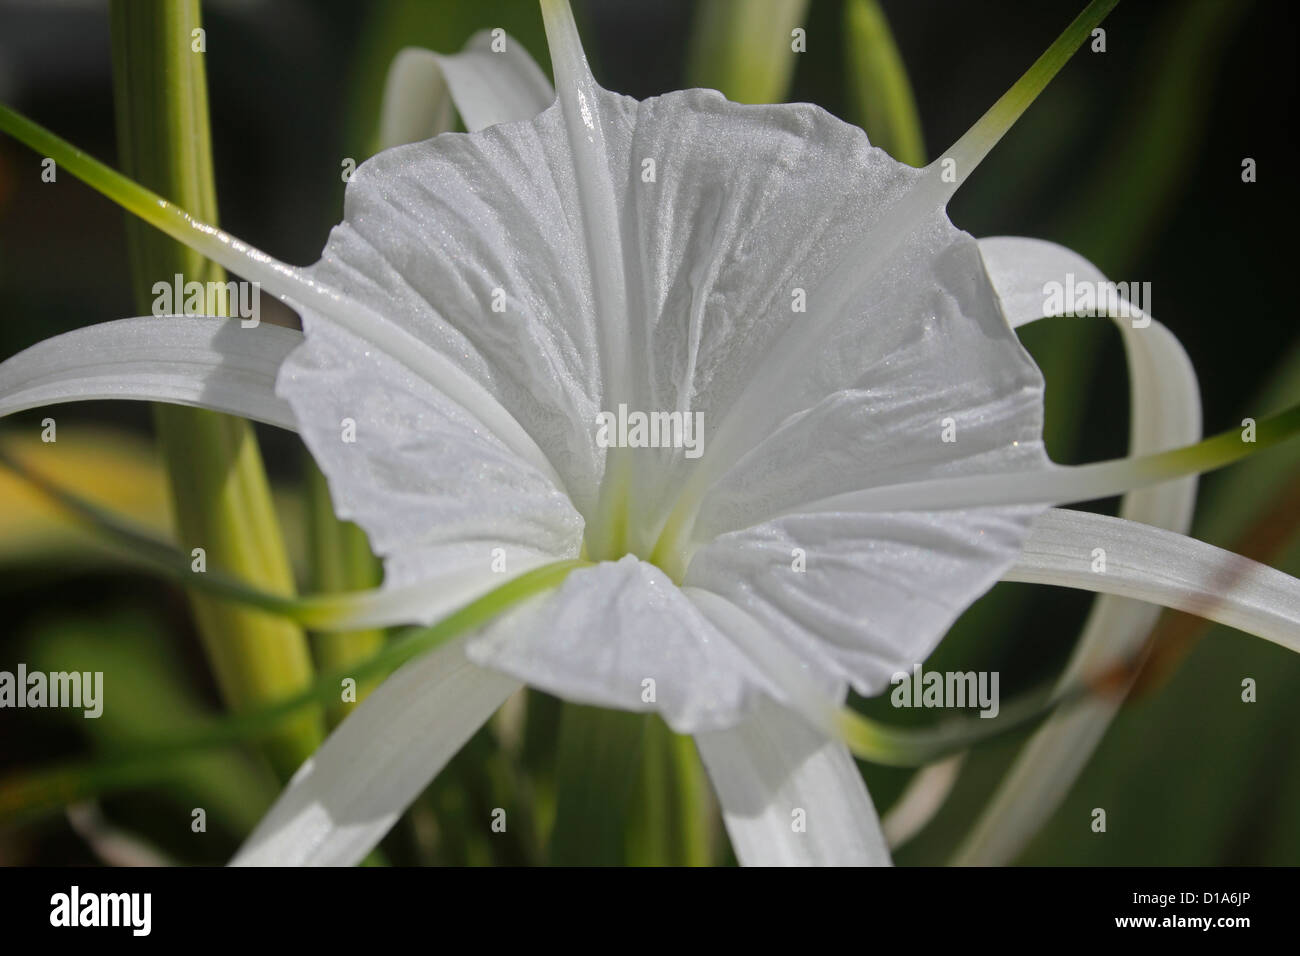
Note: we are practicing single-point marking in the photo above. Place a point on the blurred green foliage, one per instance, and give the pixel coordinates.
(1132, 157)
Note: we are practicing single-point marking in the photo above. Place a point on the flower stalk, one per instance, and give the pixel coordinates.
(219, 488)
(340, 561)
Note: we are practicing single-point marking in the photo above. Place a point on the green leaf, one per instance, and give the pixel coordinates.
(879, 89)
(219, 486)
(744, 48)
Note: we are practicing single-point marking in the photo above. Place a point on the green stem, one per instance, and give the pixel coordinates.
(1002, 115)
(673, 807)
(219, 487)
(597, 767)
(341, 562)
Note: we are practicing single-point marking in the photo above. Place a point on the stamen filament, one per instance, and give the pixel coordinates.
(975, 144)
(1060, 485)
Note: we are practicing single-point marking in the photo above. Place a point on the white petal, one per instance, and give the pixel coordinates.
(614, 626)
(791, 796)
(881, 589)
(1163, 568)
(486, 87)
(184, 360)
(1166, 412)
(435, 492)
(857, 393)
(878, 590)
(814, 295)
(437, 233)
(801, 686)
(691, 271)
(344, 799)
(621, 635)
(596, 125)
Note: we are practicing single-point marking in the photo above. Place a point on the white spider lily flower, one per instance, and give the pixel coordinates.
(871, 458)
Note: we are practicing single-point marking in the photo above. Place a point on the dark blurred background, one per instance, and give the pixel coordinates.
(1132, 157)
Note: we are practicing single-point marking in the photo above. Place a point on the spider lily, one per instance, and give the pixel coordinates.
(491, 297)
